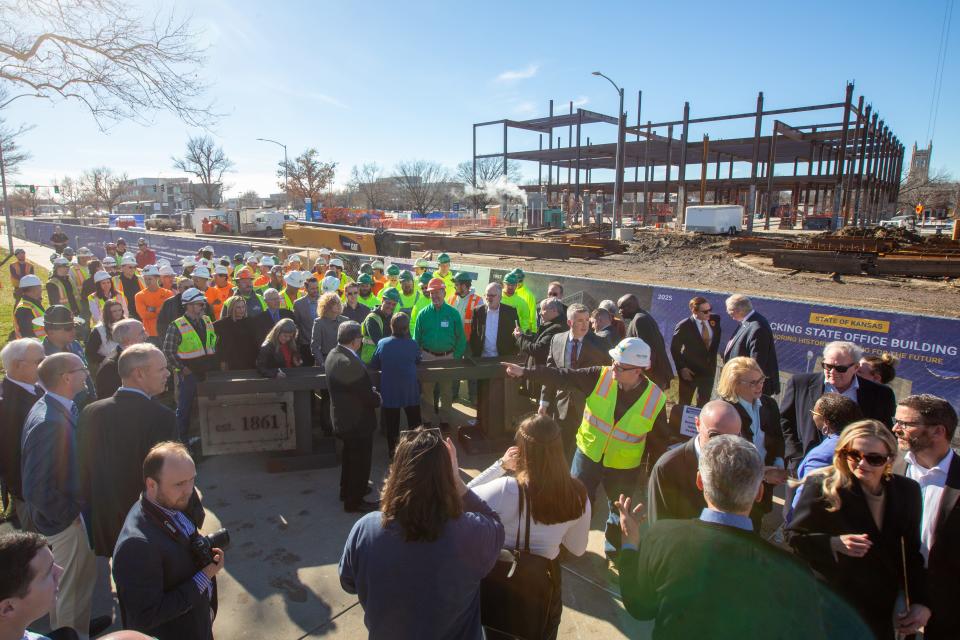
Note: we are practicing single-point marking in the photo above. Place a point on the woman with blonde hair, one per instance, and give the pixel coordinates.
(559, 514)
(881, 369)
(323, 339)
(279, 350)
(236, 336)
(858, 525)
(741, 385)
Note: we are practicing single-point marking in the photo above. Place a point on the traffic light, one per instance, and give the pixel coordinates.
(56, 189)
(163, 188)
(33, 188)
(918, 209)
(154, 188)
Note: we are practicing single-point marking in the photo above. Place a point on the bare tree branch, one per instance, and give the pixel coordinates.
(369, 182)
(13, 155)
(489, 171)
(423, 185)
(107, 188)
(207, 162)
(307, 177)
(105, 54)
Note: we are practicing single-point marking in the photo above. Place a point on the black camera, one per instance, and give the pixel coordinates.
(201, 547)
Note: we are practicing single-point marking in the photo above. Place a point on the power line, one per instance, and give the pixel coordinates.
(938, 73)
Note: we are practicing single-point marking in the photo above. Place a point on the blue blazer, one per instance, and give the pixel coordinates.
(397, 359)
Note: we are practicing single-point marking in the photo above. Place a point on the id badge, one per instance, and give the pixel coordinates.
(444, 324)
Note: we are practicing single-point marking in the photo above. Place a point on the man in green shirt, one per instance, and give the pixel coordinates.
(366, 297)
(527, 296)
(439, 333)
(512, 299)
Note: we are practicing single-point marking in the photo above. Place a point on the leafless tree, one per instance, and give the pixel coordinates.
(106, 54)
(107, 188)
(423, 185)
(13, 154)
(936, 191)
(489, 171)
(371, 185)
(73, 196)
(207, 163)
(307, 176)
(250, 199)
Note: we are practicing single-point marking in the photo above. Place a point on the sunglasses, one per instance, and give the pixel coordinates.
(620, 367)
(873, 459)
(839, 368)
(707, 310)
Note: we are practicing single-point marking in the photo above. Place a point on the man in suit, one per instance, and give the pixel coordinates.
(672, 493)
(18, 393)
(353, 400)
(841, 360)
(114, 437)
(694, 346)
(643, 325)
(126, 333)
(273, 314)
(536, 346)
(754, 339)
(576, 348)
(681, 576)
(162, 588)
(51, 489)
(925, 426)
(304, 313)
(492, 336)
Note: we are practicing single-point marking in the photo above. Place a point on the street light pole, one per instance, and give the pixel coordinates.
(618, 165)
(286, 180)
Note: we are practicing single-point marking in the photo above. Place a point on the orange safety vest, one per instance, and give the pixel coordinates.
(473, 301)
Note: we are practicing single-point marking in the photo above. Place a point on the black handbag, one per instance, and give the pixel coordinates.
(516, 596)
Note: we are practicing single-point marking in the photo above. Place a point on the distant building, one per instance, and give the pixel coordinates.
(169, 195)
(920, 163)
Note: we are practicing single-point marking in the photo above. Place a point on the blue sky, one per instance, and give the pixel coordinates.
(388, 81)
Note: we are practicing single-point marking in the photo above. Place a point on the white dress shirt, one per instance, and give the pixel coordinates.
(490, 333)
(850, 393)
(931, 483)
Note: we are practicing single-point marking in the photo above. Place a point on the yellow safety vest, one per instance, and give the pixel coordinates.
(93, 298)
(368, 346)
(618, 445)
(62, 290)
(190, 345)
(37, 313)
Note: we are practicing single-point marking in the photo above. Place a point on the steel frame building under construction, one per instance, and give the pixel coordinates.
(848, 166)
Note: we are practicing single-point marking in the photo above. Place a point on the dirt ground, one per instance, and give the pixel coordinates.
(702, 262)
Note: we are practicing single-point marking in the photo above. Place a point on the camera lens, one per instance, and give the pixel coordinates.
(219, 539)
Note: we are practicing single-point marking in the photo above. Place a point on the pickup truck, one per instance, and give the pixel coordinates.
(163, 222)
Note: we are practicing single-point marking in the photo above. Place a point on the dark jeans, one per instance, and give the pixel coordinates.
(355, 463)
(186, 394)
(390, 423)
(703, 385)
(615, 482)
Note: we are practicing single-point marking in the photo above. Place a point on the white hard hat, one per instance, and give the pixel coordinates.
(221, 271)
(188, 261)
(266, 261)
(162, 261)
(29, 280)
(109, 261)
(295, 279)
(632, 352)
(201, 272)
(330, 284)
(294, 258)
(84, 252)
(167, 270)
(207, 248)
(151, 270)
(325, 252)
(192, 295)
(130, 254)
(100, 276)
(60, 262)
(128, 261)
(336, 262)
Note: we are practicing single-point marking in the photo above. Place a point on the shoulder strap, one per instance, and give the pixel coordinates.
(516, 544)
(526, 540)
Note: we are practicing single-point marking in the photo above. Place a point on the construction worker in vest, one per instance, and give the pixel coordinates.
(255, 302)
(29, 307)
(393, 279)
(206, 253)
(439, 333)
(337, 265)
(263, 280)
(527, 296)
(219, 291)
(323, 262)
(103, 291)
(410, 295)
(444, 273)
(465, 301)
(201, 279)
(511, 299)
(294, 263)
(150, 301)
(190, 346)
(377, 324)
(167, 277)
(623, 419)
(187, 265)
(294, 281)
(129, 283)
(420, 266)
(18, 269)
(61, 327)
(110, 251)
(366, 296)
(60, 287)
(77, 273)
(379, 278)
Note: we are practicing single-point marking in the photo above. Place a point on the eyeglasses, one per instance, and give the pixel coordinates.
(839, 368)
(873, 459)
(902, 423)
(621, 367)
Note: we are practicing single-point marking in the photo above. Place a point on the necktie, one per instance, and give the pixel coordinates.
(575, 354)
(705, 334)
(74, 413)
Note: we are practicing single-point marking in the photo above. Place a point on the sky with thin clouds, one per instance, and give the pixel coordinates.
(382, 81)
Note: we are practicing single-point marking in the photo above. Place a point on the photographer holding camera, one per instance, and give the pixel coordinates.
(163, 567)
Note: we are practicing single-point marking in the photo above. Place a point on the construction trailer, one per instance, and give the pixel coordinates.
(846, 165)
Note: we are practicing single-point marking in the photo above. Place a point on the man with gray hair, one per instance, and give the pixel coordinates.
(353, 403)
(717, 554)
(126, 333)
(114, 436)
(841, 361)
(753, 339)
(19, 391)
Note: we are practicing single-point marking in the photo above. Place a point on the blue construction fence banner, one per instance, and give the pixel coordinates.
(926, 346)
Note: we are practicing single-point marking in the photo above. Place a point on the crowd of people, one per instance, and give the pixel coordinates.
(870, 482)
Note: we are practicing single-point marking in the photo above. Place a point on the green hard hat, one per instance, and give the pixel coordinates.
(511, 278)
(519, 273)
(422, 263)
(443, 258)
(425, 278)
(364, 278)
(462, 276)
(366, 268)
(406, 275)
(391, 294)
(393, 270)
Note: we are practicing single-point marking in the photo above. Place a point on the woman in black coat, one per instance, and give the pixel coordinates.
(858, 525)
(236, 336)
(279, 350)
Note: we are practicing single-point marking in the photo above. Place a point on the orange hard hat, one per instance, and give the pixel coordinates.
(436, 285)
(244, 273)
